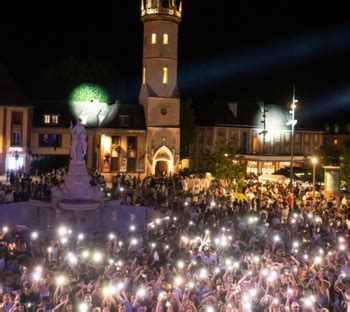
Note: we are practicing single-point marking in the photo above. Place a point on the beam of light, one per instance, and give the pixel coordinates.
(295, 50)
(326, 104)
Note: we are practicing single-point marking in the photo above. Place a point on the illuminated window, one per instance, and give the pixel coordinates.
(287, 138)
(335, 141)
(165, 75)
(54, 119)
(154, 39)
(144, 75)
(165, 39)
(51, 119)
(277, 138)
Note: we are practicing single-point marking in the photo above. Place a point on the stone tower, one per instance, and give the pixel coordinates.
(159, 93)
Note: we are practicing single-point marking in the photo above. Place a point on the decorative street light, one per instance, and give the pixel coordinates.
(314, 161)
(292, 122)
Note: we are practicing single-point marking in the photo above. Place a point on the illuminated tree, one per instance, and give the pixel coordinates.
(330, 154)
(223, 164)
(88, 92)
(345, 160)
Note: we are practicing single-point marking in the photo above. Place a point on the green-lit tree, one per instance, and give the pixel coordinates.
(187, 126)
(224, 164)
(330, 154)
(345, 160)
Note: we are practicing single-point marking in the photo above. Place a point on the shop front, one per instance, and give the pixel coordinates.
(15, 159)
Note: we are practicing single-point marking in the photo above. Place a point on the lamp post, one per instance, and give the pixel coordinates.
(292, 122)
(314, 161)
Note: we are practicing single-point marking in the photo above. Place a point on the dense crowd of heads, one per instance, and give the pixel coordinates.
(209, 252)
(20, 186)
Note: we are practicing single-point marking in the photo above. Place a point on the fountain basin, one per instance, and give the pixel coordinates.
(79, 204)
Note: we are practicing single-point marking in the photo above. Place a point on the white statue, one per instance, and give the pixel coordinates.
(79, 144)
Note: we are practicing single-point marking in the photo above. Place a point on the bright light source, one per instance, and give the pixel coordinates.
(83, 307)
(120, 286)
(5, 229)
(314, 160)
(109, 290)
(97, 257)
(80, 236)
(36, 276)
(180, 264)
(141, 292)
(35, 235)
(178, 280)
(132, 227)
(85, 254)
(62, 231)
(60, 280)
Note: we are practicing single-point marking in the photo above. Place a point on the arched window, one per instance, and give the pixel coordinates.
(165, 75)
(154, 39)
(144, 75)
(165, 38)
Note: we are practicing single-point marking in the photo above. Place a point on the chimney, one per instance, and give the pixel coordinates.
(233, 108)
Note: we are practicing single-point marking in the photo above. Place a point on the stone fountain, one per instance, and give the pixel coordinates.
(78, 202)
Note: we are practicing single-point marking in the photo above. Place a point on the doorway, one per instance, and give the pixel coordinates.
(163, 162)
(161, 168)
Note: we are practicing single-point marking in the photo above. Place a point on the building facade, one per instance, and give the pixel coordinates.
(142, 139)
(15, 125)
(266, 149)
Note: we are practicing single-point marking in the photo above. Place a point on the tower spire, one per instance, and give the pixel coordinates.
(171, 8)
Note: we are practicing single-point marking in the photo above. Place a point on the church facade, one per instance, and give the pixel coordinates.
(141, 139)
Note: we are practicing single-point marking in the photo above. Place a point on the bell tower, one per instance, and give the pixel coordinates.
(159, 93)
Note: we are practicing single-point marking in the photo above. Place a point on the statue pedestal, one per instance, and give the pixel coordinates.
(79, 202)
(84, 211)
(77, 182)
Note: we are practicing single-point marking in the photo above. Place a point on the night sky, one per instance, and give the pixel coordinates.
(241, 50)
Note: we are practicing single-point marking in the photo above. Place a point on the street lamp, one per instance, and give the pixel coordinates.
(292, 122)
(314, 161)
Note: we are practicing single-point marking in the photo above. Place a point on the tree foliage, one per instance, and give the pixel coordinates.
(187, 126)
(223, 164)
(345, 160)
(330, 154)
(87, 92)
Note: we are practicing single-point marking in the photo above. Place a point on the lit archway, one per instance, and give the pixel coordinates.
(163, 156)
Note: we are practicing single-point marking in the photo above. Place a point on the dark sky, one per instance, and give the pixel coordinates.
(235, 49)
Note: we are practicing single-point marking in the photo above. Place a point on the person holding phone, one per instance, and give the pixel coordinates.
(6, 303)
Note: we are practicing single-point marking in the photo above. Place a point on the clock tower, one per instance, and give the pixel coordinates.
(159, 93)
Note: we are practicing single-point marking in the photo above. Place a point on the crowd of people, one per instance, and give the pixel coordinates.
(20, 186)
(210, 252)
